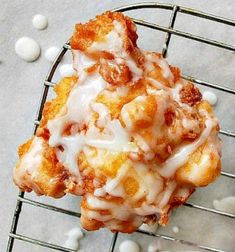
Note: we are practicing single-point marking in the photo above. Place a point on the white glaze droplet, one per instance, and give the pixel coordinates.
(27, 49)
(51, 53)
(74, 235)
(210, 97)
(175, 229)
(129, 245)
(226, 204)
(39, 22)
(155, 246)
(149, 228)
(72, 244)
(181, 156)
(66, 70)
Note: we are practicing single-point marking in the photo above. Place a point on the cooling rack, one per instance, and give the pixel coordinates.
(48, 83)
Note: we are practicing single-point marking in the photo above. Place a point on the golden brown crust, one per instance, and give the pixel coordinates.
(48, 178)
(190, 94)
(95, 31)
(114, 74)
(53, 107)
(23, 148)
(51, 175)
(204, 173)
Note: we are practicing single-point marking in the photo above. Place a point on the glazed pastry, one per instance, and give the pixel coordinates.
(127, 132)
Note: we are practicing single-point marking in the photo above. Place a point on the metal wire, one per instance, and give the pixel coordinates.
(48, 83)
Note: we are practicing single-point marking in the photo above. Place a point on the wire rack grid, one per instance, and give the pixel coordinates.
(48, 83)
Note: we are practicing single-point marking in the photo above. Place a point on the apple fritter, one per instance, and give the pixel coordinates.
(127, 133)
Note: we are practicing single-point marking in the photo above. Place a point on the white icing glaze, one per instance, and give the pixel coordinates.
(152, 58)
(122, 212)
(135, 70)
(175, 93)
(39, 22)
(131, 107)
(129, 246)
(74, 235)
(151, 185)
(99, 192)
(151, 228)
(189, 124)
(66, 70)
(158, 84)
(113, 225)
(163, 102)
(27, 49)
(77, 107)
(72, 146)
(183, 192)
(210, 97)
(72, 244)
(31, 162)
(114, 43)
(181, 156)
(165, 69)
(147, 209)
(29, 165)
(81, 62)
(78, 104)
(96, 203)
(115, 139)
(167, 194)
(51, 53)
(103, 112)
(112, 187)
(143, 145)
(175, 229)
(125, 117)
(202, 164)
(226, 204)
